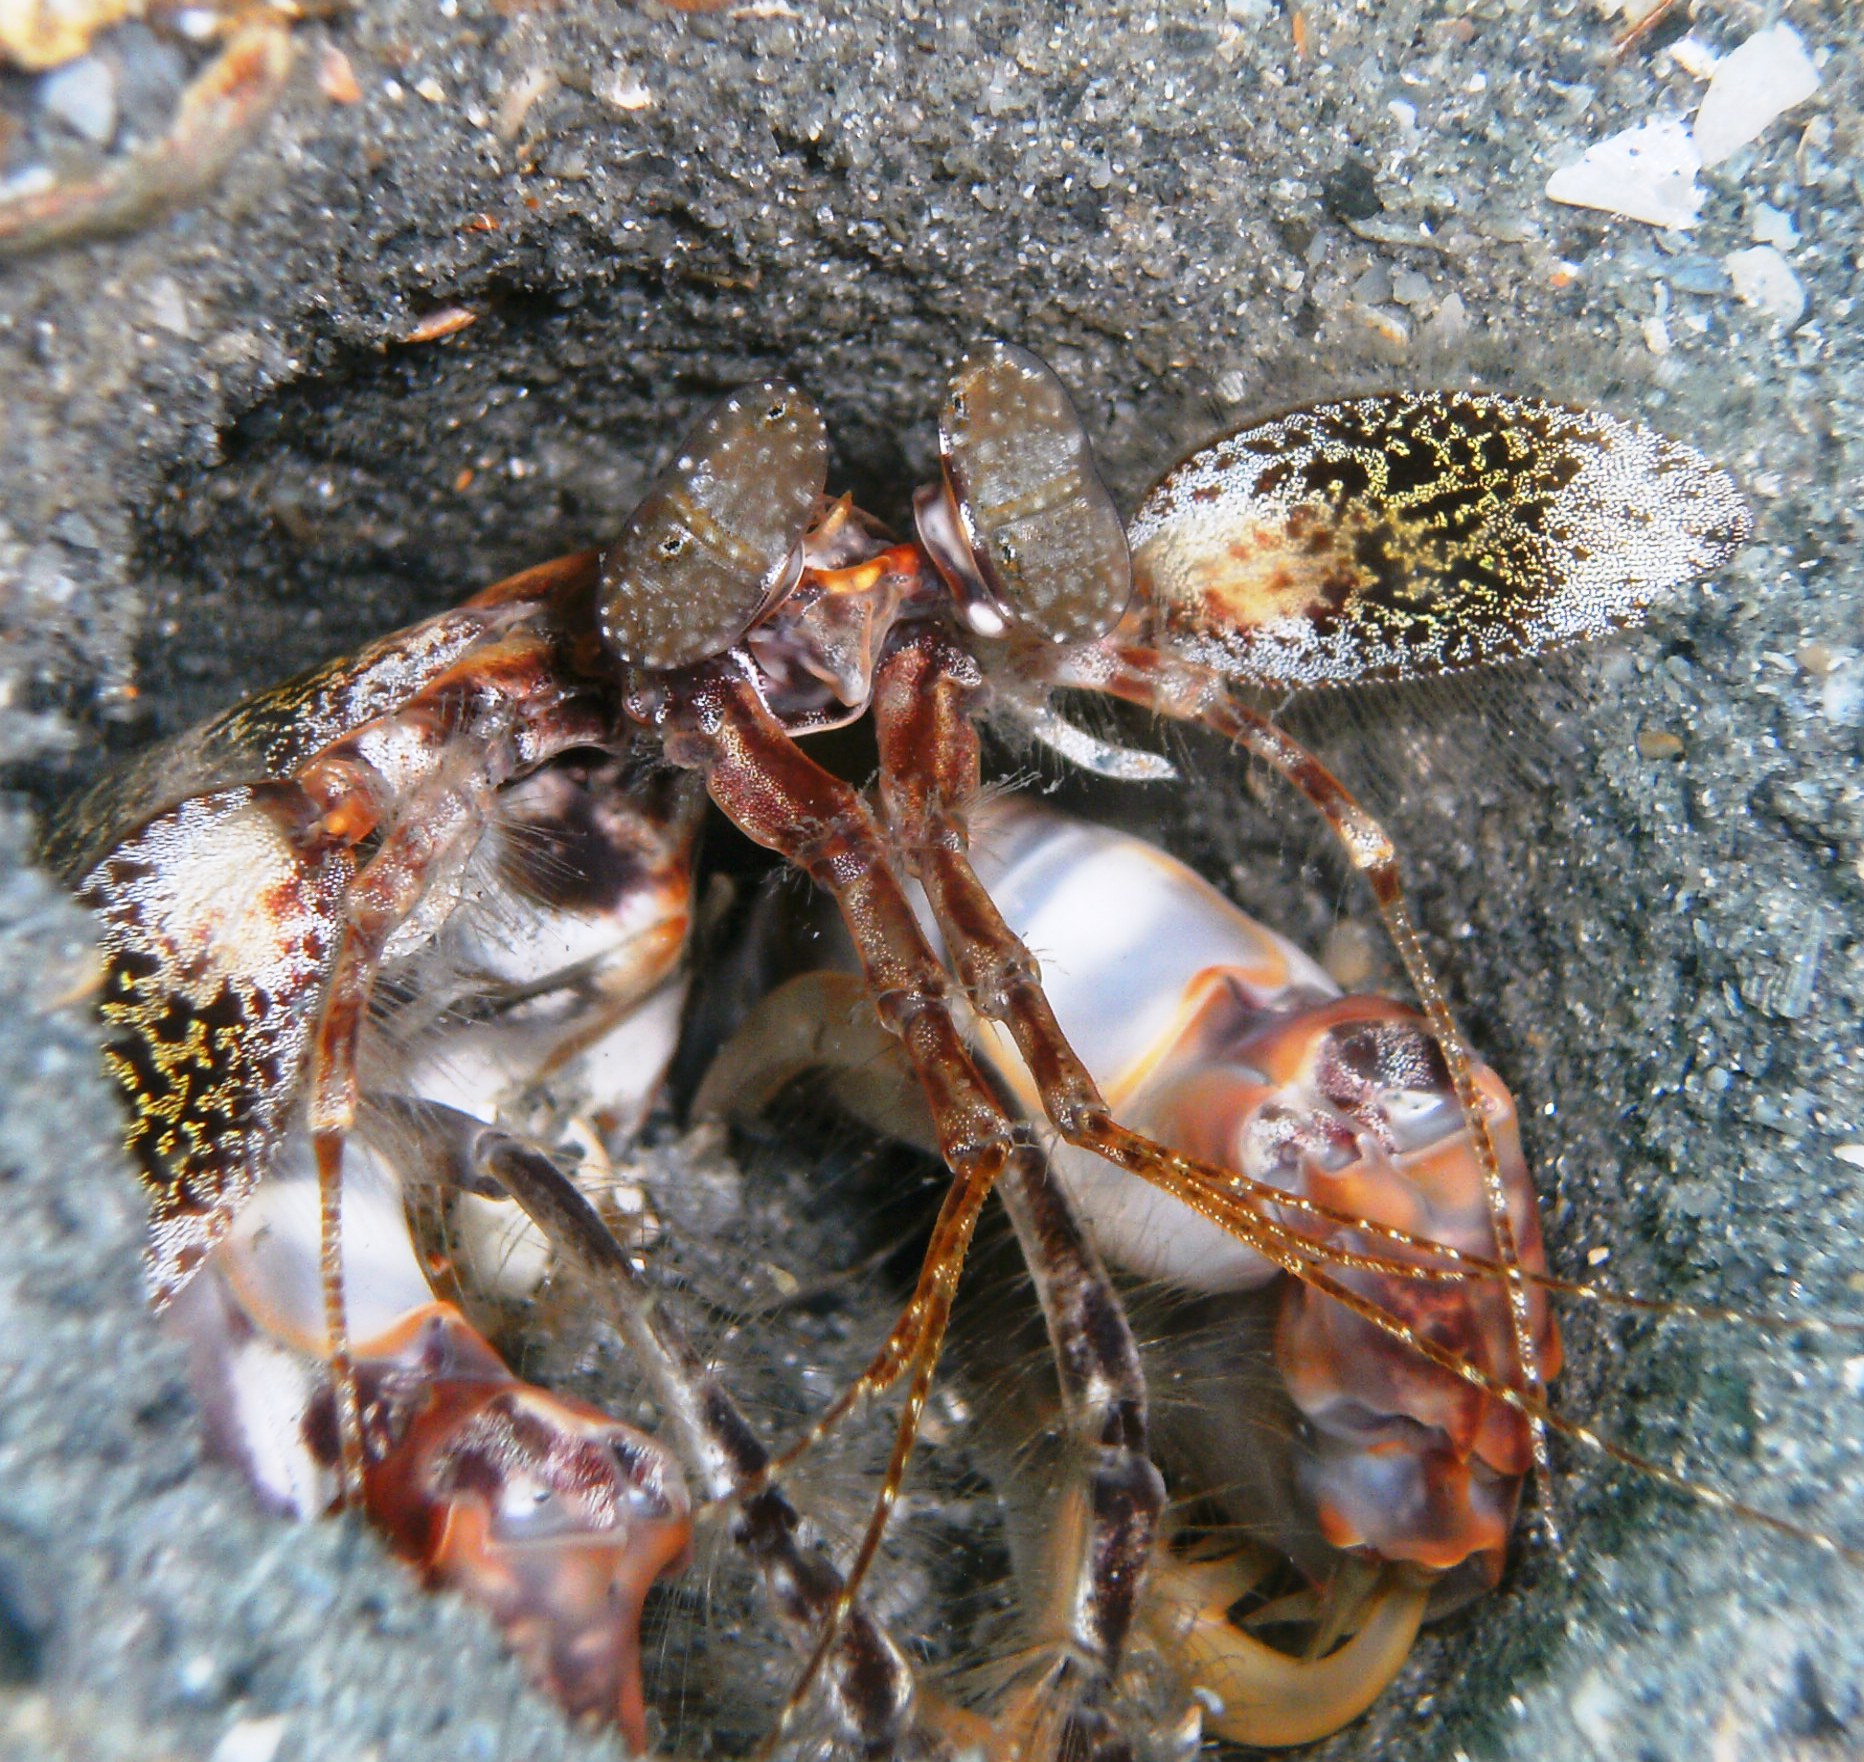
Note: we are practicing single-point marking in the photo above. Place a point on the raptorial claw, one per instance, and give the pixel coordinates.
(1256, 1694)
(554, 1518)
(538, 1507)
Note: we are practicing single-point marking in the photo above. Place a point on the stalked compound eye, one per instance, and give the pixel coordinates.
(715, 537)
(1394, 537)
(1038, 522)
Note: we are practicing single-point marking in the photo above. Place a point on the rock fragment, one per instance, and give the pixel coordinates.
(82, 95)
(1765, 280)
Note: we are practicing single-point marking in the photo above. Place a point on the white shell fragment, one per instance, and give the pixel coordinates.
(1646, 173)
(1766, 76)
(82, 95)
(1765, 280)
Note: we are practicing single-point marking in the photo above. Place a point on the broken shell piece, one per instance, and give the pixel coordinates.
(1646, 173)
(37, 34)
(1694, 57)
(1766, 76)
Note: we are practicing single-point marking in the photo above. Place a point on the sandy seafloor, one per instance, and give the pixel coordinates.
(216, 465)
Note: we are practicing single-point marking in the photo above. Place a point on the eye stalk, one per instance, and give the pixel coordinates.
(718, 536)
(1022, 528)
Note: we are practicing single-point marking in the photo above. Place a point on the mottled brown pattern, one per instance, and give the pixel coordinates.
(207, 1048)
(1422, 533)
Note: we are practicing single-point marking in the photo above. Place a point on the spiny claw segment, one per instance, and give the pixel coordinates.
(1258, 1695)
(538, 1507)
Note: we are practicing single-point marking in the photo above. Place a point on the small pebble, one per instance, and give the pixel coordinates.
(1409, 288)
(621, 89)
(199, 1676)
(1232, 386)
(336, 79)
(1816, 658)
(1373, 288)
(1694, 57)
(1764, 279)
(446, 321)
(1841, 694)
(82, 95)
(200, 24)
(1696, 275)
(515, 102)
(1388, 324)
(1351, 192)
(1351, 955)
(1768, 225)
(251, 1740)
(1449, 324)
(1656, 743)
(76, 530)
(167, 306)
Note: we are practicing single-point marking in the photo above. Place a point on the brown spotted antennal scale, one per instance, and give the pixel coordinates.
(1394, 537)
